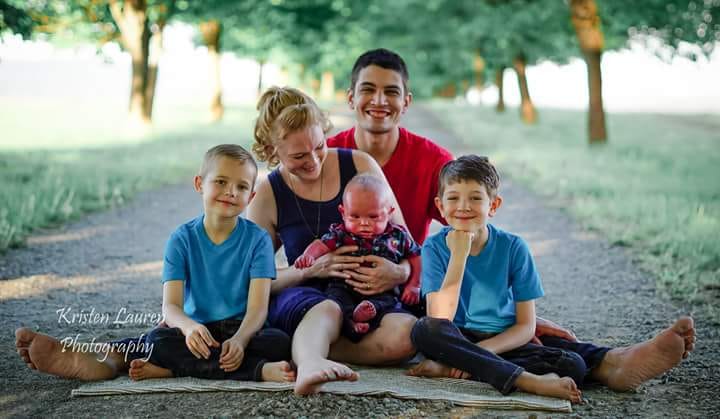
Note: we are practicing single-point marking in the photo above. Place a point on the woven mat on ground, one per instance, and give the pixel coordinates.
(373, 382)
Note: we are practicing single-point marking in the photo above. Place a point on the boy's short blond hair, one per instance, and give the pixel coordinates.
(470, 167)
(231, 151)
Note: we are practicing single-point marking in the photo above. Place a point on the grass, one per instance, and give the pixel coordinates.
(654, 187)
(54, 170)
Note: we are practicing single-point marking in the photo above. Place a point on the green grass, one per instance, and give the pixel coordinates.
(54, 169)
(654, 187)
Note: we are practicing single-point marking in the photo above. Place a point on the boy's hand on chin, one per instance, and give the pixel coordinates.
(459, 242)
(232, 355)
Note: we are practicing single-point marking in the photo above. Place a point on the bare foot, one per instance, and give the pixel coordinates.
(624, 369)
(23, 339)
(364, 312)
(279, 372)
(430, 368)
(311, 375)
(142, 370)
(360, 328)
(550, 385)
(47, 354)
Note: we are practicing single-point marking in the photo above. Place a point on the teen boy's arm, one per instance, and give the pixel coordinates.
(233, 349)
(443, 303)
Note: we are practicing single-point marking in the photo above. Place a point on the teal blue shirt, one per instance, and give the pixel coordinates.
(494, 280)
(217, 277)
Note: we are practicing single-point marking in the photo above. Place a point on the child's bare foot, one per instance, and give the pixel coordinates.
(360, 328)
(430, 368)
(46, 354)
(624, 369)
(364, 312)
(23, 339)
(142, 370)
(550, 385)
(311, 375)
(279, 372)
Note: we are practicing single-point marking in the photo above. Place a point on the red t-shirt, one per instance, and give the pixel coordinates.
(412, 172)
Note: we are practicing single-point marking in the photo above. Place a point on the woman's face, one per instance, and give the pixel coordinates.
(303, 152)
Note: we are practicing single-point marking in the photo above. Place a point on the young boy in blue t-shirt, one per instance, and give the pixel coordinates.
(481, 283)
(216, 286)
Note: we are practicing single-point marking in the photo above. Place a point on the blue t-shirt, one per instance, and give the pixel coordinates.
(503, 273)
(217, 277)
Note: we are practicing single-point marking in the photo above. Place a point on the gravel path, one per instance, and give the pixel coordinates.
(109, 264)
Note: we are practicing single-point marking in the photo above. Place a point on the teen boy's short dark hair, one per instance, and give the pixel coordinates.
(380, 57)
(470, 167)
(232, 151)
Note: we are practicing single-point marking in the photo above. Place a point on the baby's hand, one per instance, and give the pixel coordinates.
(410, 295)
(304, 261)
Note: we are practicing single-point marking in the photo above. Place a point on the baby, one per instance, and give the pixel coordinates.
(366, 213)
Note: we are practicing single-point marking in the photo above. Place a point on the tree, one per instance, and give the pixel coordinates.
(211, 31)
(15, 19)
(586, 21)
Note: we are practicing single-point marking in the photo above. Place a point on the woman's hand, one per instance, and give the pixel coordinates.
(199, 340)
(334, 264)
(384, 275)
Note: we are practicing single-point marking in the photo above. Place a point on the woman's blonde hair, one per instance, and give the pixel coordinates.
(283, 110)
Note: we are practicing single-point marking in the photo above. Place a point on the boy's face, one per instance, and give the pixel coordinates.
(227, 187)
(378, 99)
(365, 212)
(466, 205)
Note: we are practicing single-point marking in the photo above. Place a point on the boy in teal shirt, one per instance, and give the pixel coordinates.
(481, 283)
(216, 286)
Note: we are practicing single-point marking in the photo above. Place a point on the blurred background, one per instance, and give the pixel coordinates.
(608, 108)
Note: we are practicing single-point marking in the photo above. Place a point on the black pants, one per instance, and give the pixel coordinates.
(348, 299)
(170, 351)
(442, 341)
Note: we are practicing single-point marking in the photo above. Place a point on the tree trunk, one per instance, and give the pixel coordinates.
(132, 20)
(587, 27)
(260, 77)
(479, 70)
(501, 95)
(154, 53)
(527, 109)
(327, 86)
(211, 31)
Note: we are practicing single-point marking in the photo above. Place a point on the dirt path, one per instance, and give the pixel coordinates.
(110, 262)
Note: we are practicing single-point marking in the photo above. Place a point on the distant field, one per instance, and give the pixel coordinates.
(57, 162)
(655, 187)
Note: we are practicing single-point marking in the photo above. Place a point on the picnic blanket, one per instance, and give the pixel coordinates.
(373, 382)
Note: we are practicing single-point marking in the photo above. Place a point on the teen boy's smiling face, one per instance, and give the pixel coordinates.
(227, 187)
(378, 99)
(466, 205)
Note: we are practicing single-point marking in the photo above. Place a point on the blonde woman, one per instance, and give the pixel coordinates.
(296, 203)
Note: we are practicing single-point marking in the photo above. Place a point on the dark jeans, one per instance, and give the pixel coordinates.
(348, 299)
(170, 351)
(442, 341)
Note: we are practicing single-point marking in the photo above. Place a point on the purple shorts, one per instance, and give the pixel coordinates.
(288, 308)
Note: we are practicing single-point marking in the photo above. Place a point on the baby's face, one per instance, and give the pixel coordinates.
(365, 212)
